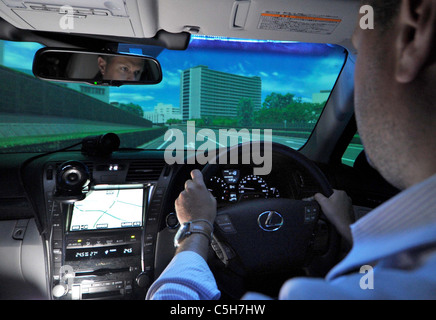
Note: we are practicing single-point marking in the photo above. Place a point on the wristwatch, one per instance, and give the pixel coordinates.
(191, 227)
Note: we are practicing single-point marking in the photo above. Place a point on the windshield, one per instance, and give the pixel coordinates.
(215, 83)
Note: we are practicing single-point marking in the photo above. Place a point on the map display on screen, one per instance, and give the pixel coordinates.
(108, 209)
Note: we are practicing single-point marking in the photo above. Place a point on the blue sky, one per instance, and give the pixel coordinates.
(297, 68)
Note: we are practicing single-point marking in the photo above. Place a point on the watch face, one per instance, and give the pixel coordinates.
(181, 234)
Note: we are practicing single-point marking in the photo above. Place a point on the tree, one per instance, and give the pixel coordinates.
(245, 112)
(278, 101)
(174, 121)
(130, 107)
(277, 108)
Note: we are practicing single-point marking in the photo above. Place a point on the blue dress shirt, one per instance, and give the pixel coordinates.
(393, 257)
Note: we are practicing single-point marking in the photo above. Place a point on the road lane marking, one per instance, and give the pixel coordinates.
(167, 140)
(221, 145)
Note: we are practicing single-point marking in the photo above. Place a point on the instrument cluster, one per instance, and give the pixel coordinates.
(234, 185)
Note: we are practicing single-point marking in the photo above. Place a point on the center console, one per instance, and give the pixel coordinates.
(101, 247)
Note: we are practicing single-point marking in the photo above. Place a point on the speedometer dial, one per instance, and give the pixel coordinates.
(219, 189)
(252, 186)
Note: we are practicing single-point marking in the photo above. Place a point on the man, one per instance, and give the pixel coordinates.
(120, 68)
(395, 102)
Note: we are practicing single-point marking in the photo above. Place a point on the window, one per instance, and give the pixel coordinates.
(218, 82)
(353, 150)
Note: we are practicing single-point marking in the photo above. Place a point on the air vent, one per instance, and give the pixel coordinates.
(145, 170)
(89, 164)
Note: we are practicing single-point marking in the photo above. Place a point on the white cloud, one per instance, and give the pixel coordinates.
(164, 105)
(129, 97)
(171, 78)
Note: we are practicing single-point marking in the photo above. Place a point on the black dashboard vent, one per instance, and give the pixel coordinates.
(89, 164)
(145, 170)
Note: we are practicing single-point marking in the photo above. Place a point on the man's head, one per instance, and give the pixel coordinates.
(395, 89)
(385, 12)
(120, 68)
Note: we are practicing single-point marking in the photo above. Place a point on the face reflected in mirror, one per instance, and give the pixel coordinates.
(120, 68)
(95, 68)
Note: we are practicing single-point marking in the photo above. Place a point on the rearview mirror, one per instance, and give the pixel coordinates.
(96, 68)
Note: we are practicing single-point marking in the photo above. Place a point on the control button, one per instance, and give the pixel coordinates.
(119, 284)
(74, 243)
(151, 220)
(218, 248)
(57, 244)
(228, 228)
(225, 224)
(172, 221)
(148, 262)
(222, 219)
(76, 293)
(154, 211)
(229, 252)
(56, 217)
(119, 240)
(57, 234)
(159, 191)
(56, 267)
(143, 280)
(133, 269)
(148, 243)
(59, 290)
(148, 247)
(310, 214)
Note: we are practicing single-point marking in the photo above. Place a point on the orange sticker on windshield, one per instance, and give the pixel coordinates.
(298, 22)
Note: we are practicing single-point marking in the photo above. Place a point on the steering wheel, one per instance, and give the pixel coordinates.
(267, 235)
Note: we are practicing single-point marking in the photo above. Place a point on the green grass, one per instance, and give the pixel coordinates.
(30, 140)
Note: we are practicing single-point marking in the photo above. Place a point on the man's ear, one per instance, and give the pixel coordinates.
(416, 38)
(101, 65)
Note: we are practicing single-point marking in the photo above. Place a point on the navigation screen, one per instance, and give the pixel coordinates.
(108, 209)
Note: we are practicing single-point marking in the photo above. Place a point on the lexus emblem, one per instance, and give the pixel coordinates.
(270, 221)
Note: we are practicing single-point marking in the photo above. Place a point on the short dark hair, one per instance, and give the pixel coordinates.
(384, 12)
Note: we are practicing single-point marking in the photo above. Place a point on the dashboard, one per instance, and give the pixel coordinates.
(235, 185)
(100, 218)
(108, 224)
(232, 184)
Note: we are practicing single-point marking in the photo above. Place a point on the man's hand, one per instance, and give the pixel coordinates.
(339, 210)
(195, 202)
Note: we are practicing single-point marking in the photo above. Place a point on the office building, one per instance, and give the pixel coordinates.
(162, 113)
(206, 92)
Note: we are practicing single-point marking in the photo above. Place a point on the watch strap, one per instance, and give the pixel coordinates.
(191, 227)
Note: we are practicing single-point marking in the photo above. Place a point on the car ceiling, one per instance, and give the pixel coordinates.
(319, 21)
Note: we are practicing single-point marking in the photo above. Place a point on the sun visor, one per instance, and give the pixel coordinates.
(102, 17)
